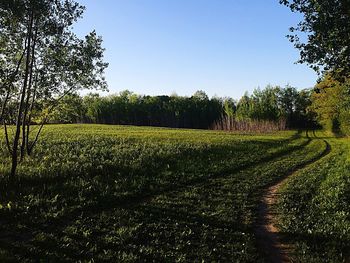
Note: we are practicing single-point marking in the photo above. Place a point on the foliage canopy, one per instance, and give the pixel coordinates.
(326, 25)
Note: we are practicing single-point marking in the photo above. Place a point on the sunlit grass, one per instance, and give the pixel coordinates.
(133, 193)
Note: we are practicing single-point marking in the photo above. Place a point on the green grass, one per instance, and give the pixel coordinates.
(117, 193)
(315, 208)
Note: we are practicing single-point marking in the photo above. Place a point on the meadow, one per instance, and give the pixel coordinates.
(314, 208)
(99, 193)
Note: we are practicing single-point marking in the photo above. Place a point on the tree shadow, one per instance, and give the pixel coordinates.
(328, 247)
(42, 229)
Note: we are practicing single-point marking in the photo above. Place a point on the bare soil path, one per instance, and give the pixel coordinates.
(269, 239)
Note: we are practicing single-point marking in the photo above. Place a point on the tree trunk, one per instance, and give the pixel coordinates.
(30, 117)
(3, 107)
(21, 104)
(29, 92)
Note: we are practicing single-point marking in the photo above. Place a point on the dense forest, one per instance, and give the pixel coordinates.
(279, 107)
(327, 105)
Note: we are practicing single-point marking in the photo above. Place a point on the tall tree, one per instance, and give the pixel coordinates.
(327, 27)
(331, 104)
(47, 63)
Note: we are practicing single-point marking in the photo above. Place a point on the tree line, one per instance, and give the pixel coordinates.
(273, 104)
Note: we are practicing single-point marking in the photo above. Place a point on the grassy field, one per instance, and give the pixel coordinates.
(95, 193)
(314, 207)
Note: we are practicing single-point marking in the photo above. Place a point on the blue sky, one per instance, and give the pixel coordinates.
(224, 47)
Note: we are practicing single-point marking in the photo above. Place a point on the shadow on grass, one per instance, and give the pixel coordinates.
(159, 229)
(39, 230)
(328, 247)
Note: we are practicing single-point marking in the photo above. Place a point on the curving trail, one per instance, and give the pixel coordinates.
(269, 239)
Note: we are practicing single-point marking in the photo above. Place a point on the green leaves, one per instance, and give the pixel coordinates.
(327, 27)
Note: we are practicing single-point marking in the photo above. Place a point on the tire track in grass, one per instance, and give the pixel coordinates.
(134, 201)
(139, 199)
(269, 240)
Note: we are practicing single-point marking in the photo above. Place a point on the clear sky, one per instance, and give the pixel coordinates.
(224, 47)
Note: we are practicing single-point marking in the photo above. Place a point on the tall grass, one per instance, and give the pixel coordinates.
(229, 123)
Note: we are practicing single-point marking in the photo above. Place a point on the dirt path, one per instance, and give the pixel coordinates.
(269, 239)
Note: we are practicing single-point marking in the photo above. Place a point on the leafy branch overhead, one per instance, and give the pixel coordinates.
(326, 30)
